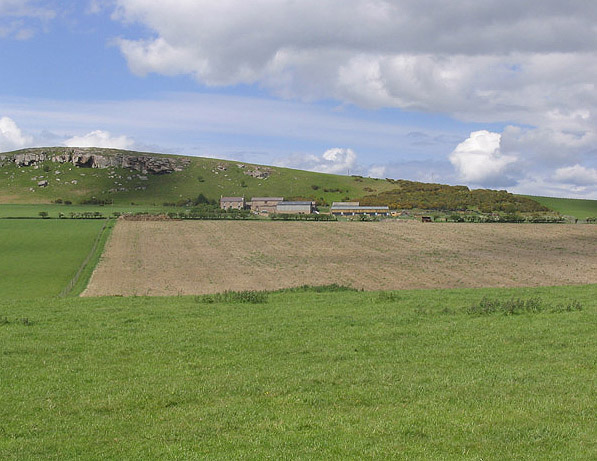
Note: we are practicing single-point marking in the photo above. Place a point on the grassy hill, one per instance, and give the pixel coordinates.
(581, 209)
(124, 187)
(210, 177)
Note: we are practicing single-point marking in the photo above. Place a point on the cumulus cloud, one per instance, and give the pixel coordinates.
(531, 64)
(479, 160)
(577, 175)
(377, 171)
(11, 136)
(99, 138)
(335, 161)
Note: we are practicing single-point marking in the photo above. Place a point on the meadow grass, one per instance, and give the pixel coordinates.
(38, 257)
(581, 209)
(54, 209)
(305, 375)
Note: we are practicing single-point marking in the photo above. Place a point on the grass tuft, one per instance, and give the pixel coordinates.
(514, 306)
(234, 297)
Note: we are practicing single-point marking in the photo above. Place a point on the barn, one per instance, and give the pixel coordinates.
(265, 204)
(295, 207)
(354, 208)
(232, 203)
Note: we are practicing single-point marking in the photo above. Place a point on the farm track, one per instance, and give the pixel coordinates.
(195, 257)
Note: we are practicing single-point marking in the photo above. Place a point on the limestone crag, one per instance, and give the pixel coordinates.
(82, 158)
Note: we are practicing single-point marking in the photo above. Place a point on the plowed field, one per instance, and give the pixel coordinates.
(194, 257)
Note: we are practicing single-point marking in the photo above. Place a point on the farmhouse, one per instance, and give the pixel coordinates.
(295, 207)
(354, 208)
(265, 204)
(232, 203)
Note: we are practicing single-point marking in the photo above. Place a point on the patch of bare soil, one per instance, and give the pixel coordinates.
(194, 257)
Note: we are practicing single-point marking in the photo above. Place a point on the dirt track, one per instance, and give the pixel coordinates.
(192, 257)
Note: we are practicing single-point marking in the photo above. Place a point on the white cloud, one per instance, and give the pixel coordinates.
(11, 136)
(17, 17)
(99, 138)
(377, 171)
(531, 65)
(479, 160)
(335, 161)
(577, 175)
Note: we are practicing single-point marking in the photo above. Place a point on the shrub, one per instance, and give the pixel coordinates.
(515, 306)
(234, 297)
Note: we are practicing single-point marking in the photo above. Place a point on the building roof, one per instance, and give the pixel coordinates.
(351, 204)
(359, 208)
(296, 203)
(263, 199)
(232, 199)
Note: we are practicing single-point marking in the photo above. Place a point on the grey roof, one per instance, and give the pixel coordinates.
(334, 204)
(346, 207)
(279, 199)
(295, 203)
(232, 199)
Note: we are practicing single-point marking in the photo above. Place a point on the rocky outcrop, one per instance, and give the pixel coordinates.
(83, 158)
(259, 172)
(28, 159)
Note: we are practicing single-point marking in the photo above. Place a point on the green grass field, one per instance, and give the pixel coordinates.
(53, 210)
(345, 375)
(40, 256)
(581, 209)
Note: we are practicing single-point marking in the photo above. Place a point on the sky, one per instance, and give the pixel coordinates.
(486, 93)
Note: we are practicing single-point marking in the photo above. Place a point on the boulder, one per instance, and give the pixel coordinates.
(43, 183)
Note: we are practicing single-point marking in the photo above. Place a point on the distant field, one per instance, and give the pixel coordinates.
(53, 210)
(580, 209)
(404, 375)
(38, 257)
(171, 258)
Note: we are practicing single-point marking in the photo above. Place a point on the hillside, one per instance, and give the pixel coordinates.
(579, 208)
(99, 176)
(72, 176)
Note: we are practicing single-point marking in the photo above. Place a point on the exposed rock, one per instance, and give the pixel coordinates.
(29, 159)
(43, 183)
(88, 158)
(259, 172)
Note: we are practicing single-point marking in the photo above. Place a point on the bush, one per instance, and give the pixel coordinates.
(234, 297)
(515, 306)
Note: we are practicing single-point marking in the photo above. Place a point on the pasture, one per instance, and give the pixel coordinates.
(40, 256)
(306, 375)
(173, 258)
(580, 209)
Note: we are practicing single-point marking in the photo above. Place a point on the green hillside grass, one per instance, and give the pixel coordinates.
(38, 257)
(201, 177)
(578, 208)
(342, 375)
(215, 178)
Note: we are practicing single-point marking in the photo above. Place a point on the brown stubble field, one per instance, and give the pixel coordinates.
(196, 257)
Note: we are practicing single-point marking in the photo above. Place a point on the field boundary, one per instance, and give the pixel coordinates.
(77, 284)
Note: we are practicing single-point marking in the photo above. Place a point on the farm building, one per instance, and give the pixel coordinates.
(295, 207)
(354, 208)
(265, 204)
(232, 203)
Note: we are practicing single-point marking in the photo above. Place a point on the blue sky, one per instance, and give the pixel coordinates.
(487, 94)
